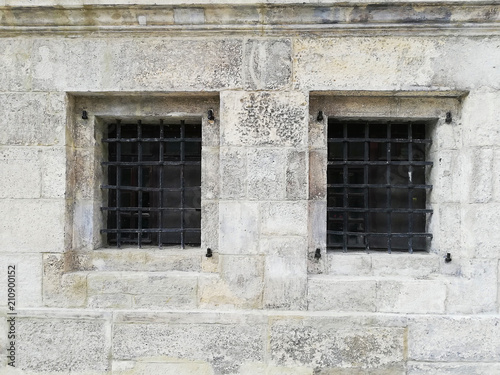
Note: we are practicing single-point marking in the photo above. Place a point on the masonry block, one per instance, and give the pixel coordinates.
(82, 344)
(15, 64)
(416, 265)
(448, 231)
(267, 64)
(411, 296)
(446, 176)
(266, 179)
(233, 172)
(479, 176)
(345, 264)
(466, 338)
(20, 175)
(110, 301)
(239, 228)
(284, 218)
(285, 272)
(263, 119)
(25, 108)
(210, 176)
(457, 368)
(296, 175)
(478, 231)
(317, 175)
(161, 366)
(43, 219)
(209, 225)
(341, 294)
(325, 343)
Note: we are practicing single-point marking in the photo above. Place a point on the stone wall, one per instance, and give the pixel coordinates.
(263, 303)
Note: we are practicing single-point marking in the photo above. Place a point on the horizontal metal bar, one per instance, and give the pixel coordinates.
(370, 234)
(149, 163)
(380, 140)
(128, 140)
(381, 210)
(151, 230)
(365, 186)
(136, 188)
(381, 163)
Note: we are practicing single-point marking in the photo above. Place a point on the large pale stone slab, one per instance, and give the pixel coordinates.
(284, 218)
(33, 119)
(239, 227)
(263, 118)
(346, 264)
(480, 118)
(162, 366)
(20, 175)
(42, 219)
(439, 339)
(457, 368)
(478, 229)
(341, 294)
(266, 179)
(267, 64)
(15, 64)
(225, 346)
(79, 346)
(416, 265)
(329, 343)
(233, 172)
(363, 63)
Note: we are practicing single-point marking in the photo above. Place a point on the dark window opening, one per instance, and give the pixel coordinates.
(154, 184)
(376, 188)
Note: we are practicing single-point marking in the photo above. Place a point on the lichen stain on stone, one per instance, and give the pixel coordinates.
(269, 121)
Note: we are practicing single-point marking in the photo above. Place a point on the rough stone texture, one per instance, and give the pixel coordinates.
(413, 297)
(317, 175)
(477, 231)
(416, 265)
(161, 366)
(296, 175)
(440, 338)
(267, 64)
(266, 174)
(480, 118)
(210, 176)
(82, 345)
(415, 368)
(15, 64)
(209, 227)
(322, 343)
(233, 172)
(285, 273)
(224, 346)
(341, 294)
(263, 118)
(479, 175)
(284, 218)
(20, 175)
(110, 301)
(349, 264)
(25, 109)
(239, 228)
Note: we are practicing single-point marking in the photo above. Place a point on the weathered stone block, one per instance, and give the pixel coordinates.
(233, 172)
(447, 228)
(225, 346)
(20, 175)
(209, 226)
(82, 345)
(411, 296)
(460, 368)
(363, 63)
(479, 176)
(267, 64)
(296, 175)
(266, 178)
(164, 301)
(53, 170)
(263, 118)
(285, 273)
(341, 294)
(325, 343)
(44, 218)
(478, 230)
(110, 301)
(416, 265)
(15, 64)
(210, 175)
(317, 175)
(284, 218)
(25, 108)
(345, 264)
(496, 175)
(439, 339)
(162, 366)
(317, 224)
(446, 176)
(189, 15)
(239, 228)
(28, 276)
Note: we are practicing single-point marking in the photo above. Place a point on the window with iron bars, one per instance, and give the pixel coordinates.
(376, 186)
(153, 184)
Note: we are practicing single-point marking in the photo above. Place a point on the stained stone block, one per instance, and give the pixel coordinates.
(296, 175)
(233, 172)
(457, 368)
(284, 218)
(266, 174)
(110, 301)
(480, 118)
(164, 301)
(15, 64)
(317, 175)
(325, 343)
(163, 366)
(20, 175)
(43, 219)
(263, 118)
(210, 176)
(25, 109)
(209, 228)
(70, 345)
(341, 294)
(239, 228)
(267, 64)
(224, 346)
(346, 264)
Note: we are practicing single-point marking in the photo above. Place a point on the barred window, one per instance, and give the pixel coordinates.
(376, 185)
(153, 184)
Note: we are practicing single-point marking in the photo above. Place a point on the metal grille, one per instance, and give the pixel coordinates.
(376, 188)
(154, 184)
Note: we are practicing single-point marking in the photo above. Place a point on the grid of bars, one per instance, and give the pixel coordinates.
(376, 189)
(154, 184)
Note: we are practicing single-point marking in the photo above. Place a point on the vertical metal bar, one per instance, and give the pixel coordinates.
(183, 134)
(160, 212)
(345, 189)
(410, 188)
(388, 181)
(139, 182)
(118, 182)
(365, 189)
